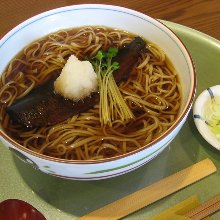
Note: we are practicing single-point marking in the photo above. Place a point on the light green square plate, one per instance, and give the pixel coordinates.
(66, 199)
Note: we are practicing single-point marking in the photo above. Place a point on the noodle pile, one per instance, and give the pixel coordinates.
(152, 93)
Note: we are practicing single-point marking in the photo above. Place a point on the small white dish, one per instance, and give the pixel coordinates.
(204, 100)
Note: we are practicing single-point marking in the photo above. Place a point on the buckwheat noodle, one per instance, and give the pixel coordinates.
(152, 92)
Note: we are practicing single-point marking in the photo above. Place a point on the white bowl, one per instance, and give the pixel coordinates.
(116, 17)
(199, 115)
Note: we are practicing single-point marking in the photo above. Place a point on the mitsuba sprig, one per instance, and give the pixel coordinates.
(112, 104)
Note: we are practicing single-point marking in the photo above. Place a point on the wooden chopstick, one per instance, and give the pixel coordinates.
(205, 209)
(152, 193)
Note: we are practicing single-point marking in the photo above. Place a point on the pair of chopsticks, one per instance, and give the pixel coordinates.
(204, 210)
(152, 193)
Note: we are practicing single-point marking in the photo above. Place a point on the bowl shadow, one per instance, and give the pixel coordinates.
(81, 197)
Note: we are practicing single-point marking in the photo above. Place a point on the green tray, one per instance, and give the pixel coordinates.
(67, 199)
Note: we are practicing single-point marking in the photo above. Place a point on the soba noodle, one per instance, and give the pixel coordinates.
(152, 92)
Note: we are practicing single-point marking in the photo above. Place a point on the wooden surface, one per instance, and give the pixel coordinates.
(202, 15)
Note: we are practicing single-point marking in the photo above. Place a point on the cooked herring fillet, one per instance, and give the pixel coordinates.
(43, 107)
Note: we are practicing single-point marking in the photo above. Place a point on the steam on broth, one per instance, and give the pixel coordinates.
(152, 92)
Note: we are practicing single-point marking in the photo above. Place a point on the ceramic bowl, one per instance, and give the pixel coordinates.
(204, 100)
(116, 17)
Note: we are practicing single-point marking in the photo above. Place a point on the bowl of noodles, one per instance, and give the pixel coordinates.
(92, 91)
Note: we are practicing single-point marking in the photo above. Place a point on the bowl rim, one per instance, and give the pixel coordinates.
(200, 121)
(132, 12)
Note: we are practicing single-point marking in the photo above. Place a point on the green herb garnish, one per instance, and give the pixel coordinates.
(112, 105)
